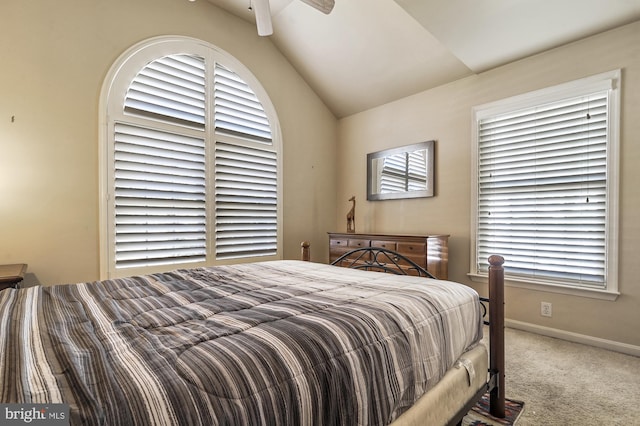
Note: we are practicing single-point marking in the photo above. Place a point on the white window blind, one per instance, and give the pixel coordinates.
(160, 213)
(542, 182)
(246, 201)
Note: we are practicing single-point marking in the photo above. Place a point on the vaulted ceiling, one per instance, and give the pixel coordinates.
(369, 52)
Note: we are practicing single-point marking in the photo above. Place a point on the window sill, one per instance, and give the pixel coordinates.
(552, 288)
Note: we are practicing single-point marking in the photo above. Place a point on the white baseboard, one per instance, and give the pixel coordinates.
(575, 337)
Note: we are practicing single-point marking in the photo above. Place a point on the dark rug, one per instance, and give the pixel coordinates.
(479, 415)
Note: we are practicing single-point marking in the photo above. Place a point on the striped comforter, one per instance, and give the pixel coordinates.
(271, 343)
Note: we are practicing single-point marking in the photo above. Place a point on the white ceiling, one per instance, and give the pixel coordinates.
(369, 52)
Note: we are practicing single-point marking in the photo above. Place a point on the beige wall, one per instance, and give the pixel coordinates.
(55, 55)
(444, 114)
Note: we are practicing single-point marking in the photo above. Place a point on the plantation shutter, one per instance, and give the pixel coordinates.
(404, 172)
(160, 213)
(160, 179)
(542, 190)
(170, 89)
(192, 167)
(238, 111)
(417, 170)
(246, 201)
(245, 172)
(393, 174)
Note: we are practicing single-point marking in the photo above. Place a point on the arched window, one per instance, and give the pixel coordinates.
(189, 160)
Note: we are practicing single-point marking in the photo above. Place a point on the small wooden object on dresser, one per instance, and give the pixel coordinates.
(429, 251)
(11, 275)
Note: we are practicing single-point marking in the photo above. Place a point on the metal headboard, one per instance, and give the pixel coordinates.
(381, 260)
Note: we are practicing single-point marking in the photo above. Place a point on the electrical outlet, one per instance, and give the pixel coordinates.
(545, 309)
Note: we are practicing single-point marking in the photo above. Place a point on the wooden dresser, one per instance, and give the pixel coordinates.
(429, 251)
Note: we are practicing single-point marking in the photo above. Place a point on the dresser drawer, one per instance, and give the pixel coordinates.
(339, 243)
(340, 246)
(412, 249)
(355, 243)
(335, 254)
(389, 245)
(420, 260)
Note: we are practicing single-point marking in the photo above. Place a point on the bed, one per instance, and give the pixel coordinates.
(270, 343)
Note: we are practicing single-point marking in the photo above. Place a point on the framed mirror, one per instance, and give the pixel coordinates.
(404, 172)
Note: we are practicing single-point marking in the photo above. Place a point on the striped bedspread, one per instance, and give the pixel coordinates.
(271, 343)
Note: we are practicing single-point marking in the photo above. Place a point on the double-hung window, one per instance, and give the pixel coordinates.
(189, 161)
(545, 186)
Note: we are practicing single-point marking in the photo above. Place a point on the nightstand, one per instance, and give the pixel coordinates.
(11, 275)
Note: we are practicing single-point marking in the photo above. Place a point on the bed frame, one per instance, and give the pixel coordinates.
(384, 260)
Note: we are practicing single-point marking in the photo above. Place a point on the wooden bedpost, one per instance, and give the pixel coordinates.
(306, 251)
(496, 333)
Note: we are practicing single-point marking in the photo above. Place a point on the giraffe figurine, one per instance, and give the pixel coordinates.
(351, 217)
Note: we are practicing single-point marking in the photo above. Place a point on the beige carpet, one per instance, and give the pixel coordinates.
(565, 383)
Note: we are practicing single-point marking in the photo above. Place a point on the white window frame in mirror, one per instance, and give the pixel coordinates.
(374, 172)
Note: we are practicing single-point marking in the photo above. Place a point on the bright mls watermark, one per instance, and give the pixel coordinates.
(34, 414)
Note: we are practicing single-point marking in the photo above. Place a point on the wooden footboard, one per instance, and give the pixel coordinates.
(496, 383)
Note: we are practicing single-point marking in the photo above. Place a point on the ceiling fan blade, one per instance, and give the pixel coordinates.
(324, 6)
(263, 17)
